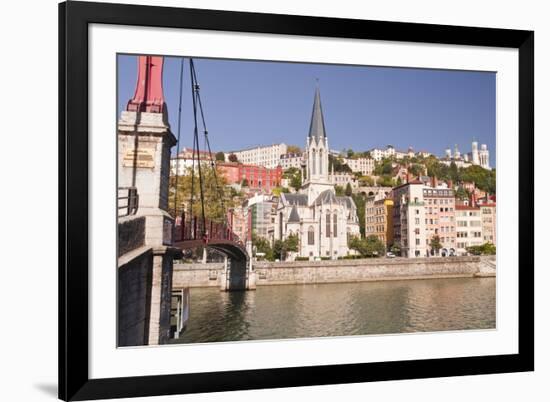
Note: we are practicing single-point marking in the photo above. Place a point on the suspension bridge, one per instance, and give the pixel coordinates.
(157, 222)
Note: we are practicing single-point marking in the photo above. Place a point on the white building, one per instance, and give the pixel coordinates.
(378, 153)
(184, 161)
(291, 161)
(363, 165)
(268, 156)
(468, 227)
(409, 219)
(478, 157)
(342, 179)
(322, 220)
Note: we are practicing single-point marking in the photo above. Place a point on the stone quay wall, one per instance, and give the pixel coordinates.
(334, 271)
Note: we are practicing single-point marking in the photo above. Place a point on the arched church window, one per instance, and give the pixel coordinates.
(335, 224)
(311, 236)
(320, 161)
(314, 162)
(327, 228)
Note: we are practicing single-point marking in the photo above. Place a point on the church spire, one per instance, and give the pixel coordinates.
(317, 125)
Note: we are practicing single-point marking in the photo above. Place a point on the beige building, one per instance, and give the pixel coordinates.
(291, 161)
(468, 227)
(363, 165)
(379, 219)
(439, 202)
(268, 156)
(488, 222)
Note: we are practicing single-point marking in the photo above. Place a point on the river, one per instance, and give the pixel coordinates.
(295, 311)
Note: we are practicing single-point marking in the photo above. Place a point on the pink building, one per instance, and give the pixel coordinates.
(256, 177)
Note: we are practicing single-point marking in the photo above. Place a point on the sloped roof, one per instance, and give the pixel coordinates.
(295, 199)
(294, 217)
(347, 201)
(326, 197)
(317, 125)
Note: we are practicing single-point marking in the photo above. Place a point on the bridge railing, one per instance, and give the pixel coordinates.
(195, 228)
(128, 201)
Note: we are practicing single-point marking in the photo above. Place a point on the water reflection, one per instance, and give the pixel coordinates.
(294, 311)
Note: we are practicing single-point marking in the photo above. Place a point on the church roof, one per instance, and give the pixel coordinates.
(317, 125)
(348, 201)
(294, 217)
(296, 199)
(326, 197)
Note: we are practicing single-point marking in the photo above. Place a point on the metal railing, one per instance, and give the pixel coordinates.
(194, 228)
(128, 201)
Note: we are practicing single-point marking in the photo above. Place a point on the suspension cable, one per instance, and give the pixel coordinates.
(178, 143)
(194, 88)
(207, 141)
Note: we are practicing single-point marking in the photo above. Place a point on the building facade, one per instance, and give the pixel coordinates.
(267, 156)
(183, 162)
(379, 219)
(488, 212)
(363, 165)
(468, 227)
(322, 220)
(439, 202)
(291, 161)
(409, 219)
(251, 176)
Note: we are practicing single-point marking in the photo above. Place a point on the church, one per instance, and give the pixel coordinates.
(321, 219)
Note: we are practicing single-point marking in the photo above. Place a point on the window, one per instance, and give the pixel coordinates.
(311, 236)
(327, 226)
(335, 224)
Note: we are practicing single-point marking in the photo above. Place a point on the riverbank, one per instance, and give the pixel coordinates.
(341, 271)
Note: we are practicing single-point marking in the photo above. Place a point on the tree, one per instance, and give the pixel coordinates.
(244, 182)
(233, 158)
(484, 249)
(484, 179)
(435, 244)
(462, 194)
(261, 245)
(339, 190)
(214, 194)
(348, 190)
(371, 246)
(293, 149)
(385, 181)
(350, 153)
(295, 176)
(220, 156)
(416, 169)
(359, 201)
(338, 164)
(395, 248)
(366, 181)
(383, 167)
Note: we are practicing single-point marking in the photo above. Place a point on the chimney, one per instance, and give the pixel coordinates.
(408, 176)
(434, 182)
(450, 184)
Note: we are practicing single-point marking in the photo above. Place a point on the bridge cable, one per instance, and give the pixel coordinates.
(207, 142)
(194, 88)
(178, 143)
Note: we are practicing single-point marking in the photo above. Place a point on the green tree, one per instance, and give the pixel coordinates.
(366, 181)
(435, 244)
(295, 176)
(385, 181)
(383, 167)
(339, 165)
(293, 149)
(416, 169)
(484, 249)
(232, 158)
(370, 246)
(396, 248)
(359, 201)
(484, 179)
(220, 156)
(350, 153)
(349, 190)
(339, 190)
(217, 195)
(461, 193)
(261, 245)
(244, 182)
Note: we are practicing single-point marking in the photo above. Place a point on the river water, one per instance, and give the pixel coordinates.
(295, 311)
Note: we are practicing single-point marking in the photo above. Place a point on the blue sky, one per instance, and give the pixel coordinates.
(250, 103)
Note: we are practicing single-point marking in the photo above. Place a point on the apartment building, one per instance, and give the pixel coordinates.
(363, 165)
(409, 219)
(439, 203)
(267, 156)
(468, 227)
(488, 211)
(291, 161)
(379, 218)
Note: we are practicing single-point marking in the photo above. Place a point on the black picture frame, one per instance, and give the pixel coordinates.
(74, 18)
